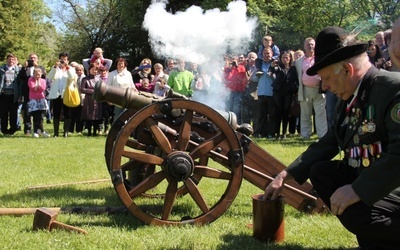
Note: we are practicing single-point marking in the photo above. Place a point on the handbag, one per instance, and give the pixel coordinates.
(71, 95)
(294, 107)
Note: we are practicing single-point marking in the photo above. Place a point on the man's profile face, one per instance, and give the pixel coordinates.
(337, 81)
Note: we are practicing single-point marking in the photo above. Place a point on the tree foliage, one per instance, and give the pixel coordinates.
(23, 30)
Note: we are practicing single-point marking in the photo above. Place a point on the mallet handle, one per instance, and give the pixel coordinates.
(60, 225)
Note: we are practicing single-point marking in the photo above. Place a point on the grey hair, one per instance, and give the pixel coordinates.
(358, 62)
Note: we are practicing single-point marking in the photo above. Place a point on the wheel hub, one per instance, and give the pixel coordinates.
(178, 166)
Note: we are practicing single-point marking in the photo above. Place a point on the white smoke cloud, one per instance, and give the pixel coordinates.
(197, 35)
(201, 36)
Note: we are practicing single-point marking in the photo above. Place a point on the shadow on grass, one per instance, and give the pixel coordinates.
(290, 141)
(232, 241)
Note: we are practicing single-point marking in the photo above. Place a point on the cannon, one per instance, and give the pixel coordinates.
(164, 154)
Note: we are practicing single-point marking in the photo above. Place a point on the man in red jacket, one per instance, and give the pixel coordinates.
(235, 81)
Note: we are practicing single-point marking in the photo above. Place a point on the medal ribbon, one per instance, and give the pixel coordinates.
(370, 112)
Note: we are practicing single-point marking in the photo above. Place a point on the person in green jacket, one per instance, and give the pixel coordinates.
(180, 80)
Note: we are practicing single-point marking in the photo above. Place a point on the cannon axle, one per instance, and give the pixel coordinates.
(178, 166)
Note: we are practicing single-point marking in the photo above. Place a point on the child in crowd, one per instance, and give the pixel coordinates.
(97, 55)
(145, 85)
(161, 88)
(97, 59)
(37, 105)
(266, 42)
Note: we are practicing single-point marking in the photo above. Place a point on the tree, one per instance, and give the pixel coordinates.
(88, 24)
(23, 29)
(290, 22)
(384, 13)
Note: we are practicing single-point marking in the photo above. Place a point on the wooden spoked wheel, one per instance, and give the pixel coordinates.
(184, 141)
(149, 169)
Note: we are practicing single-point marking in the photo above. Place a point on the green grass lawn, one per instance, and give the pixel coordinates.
(27, 161)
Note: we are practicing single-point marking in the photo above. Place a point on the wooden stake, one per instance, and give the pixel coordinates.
(77, 210)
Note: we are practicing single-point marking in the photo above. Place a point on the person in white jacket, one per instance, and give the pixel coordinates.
(121, 78)
(61, 75)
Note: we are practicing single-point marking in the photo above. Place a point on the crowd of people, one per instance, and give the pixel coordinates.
(267, 88)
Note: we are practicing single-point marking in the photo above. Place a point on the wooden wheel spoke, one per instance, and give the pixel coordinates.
(159, 136)
(143, 157)
(205, 147)
(147, 184)
(132, 143)
(212, 173)
(184, 133)
(196, 195)
(169, 199)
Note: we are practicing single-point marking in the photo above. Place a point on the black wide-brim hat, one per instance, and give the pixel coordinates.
(332, 45)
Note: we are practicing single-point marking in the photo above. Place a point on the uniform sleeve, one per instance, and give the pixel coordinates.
(323, 150)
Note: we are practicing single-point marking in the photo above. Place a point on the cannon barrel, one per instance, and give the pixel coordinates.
(132, 99)
(126, 98)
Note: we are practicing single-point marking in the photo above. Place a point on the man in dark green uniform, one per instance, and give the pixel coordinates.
(363, 188)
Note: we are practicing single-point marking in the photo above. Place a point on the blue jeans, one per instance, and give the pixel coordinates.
(235, 105)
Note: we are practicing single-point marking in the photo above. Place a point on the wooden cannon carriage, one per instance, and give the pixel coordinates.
(164, 156)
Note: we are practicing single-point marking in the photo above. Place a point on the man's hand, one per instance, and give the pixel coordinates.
(273, 190)
(342, 198)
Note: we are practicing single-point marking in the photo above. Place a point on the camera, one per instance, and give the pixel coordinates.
(62, 61)
(30, 62)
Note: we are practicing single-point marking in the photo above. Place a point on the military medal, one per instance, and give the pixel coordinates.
(360, 130)
(358, 155)
(378, 149)
(365, 159)
(356, 139)
(369, 125)
(354, 160)
(351, 161)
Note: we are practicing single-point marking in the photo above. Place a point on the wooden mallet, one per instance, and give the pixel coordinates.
(45, 219)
